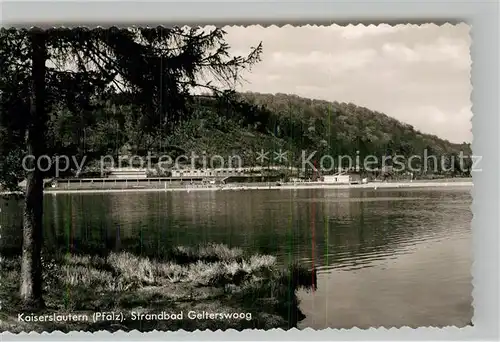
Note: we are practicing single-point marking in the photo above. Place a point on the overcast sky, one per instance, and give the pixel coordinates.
(417, 74)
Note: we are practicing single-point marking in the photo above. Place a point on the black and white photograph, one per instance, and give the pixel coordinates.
(237, 177)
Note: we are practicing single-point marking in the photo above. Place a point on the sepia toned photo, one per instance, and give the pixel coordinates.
(237, 177)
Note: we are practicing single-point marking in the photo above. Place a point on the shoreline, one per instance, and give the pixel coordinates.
(313, 186)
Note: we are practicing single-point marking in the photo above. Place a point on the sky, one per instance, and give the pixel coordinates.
(418, 74)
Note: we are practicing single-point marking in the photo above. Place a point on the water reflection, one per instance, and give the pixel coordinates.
(368, 246)
(351, 229)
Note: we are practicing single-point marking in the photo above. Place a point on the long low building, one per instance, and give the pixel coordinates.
(220, 172)
(342, 178)
(127, 173)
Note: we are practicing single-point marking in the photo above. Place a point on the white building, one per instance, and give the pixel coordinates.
(218, 172)
(337, 179)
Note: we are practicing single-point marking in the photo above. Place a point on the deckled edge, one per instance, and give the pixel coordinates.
(250, 334)
(275, 334)
(261, 26)
(473, 190)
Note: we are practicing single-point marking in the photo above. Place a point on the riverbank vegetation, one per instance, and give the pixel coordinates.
(210, 278)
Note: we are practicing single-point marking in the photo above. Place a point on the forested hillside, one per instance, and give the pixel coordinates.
(292, 123)
(246, 123)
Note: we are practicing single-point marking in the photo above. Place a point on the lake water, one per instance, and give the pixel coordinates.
(384, 257)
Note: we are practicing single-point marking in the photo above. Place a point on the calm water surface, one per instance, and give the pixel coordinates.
(384, 257)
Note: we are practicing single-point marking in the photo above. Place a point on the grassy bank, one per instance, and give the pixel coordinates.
(210, 278)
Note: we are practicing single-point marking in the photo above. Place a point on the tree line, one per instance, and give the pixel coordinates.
(243, 124)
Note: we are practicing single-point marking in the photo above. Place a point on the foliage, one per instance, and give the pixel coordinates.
(246, 123)
(90, 73)
(344, 128)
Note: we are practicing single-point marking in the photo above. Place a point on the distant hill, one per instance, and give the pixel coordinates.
(242, 124)
(292, 123)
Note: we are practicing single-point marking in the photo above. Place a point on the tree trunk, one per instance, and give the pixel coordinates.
(31, 266)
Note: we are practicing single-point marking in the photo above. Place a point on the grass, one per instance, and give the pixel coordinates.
(209, 278)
